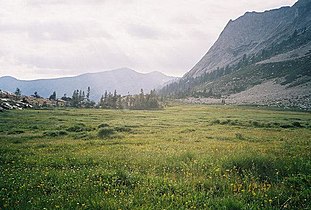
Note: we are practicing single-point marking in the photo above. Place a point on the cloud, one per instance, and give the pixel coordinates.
(146, 32)
(47, 38)
(186, 19)
(62, 2)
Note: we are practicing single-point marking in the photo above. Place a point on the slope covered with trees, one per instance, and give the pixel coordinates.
(256, 49)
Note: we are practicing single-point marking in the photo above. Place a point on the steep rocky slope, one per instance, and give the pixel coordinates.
(259, 58)
(261, 35)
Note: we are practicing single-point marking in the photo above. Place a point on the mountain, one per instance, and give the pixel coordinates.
(123, 80)
(265, 51)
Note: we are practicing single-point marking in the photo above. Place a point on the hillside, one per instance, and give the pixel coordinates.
(123, 80)
(257, 49)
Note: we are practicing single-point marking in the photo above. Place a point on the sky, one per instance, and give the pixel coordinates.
(56, 38)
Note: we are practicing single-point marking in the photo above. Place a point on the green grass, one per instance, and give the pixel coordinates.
(183, 157)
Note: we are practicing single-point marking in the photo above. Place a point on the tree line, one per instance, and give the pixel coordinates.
(138, 101)
(81, 99)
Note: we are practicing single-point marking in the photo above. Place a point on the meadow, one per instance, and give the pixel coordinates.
(182, 157)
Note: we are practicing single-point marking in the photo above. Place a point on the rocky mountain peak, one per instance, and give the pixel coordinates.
(252, 33)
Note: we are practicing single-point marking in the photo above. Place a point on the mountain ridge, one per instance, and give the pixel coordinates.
(251, 33)
(124, 80)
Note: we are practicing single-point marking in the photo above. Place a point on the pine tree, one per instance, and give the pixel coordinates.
(75, 98)
(18, 93)
(53, 96)
(88, 93)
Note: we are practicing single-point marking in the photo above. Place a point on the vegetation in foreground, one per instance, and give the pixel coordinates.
(183, 157)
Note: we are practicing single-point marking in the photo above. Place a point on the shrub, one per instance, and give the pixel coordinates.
(263, 167)
(82, 135)
(239, 136)
(297, 124)
(227, 204)
(256, 124)
(15, 132)
(235, 122)
(17, 141)
(215, 121)
(103, 125)
(105, 132)
(78, 128)
(286, 126)
(188, 130)
(55, 133)
(122, 129)
(34, 127)
(227, 121)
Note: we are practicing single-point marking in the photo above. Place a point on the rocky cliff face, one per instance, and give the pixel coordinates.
(260, 58)
(255, 34)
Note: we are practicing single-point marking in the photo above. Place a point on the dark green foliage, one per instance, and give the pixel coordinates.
(261, 124)
(34, 127)
(53, 96)
(78, 128)
(262, 167)
(103, 125)
(227, 204)
(13, 132)
(18, 93)
(188, 130)
(123, 129)
(297, 125)
(138, 102)
(55, 133)
(239, 136)
(216, 121)
(79, 99)
(82, 135)
(111, 101)
(105, 132)
(36, 95)
(267, 167)
(256, 124)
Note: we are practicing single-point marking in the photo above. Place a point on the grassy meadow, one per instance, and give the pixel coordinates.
(182, 157)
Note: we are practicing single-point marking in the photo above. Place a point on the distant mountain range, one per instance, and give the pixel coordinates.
(260, 58)
(123, 80)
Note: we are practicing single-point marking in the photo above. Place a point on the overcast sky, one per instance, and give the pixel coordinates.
(55, 38)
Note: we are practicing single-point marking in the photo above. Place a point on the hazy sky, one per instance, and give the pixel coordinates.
(52, 38)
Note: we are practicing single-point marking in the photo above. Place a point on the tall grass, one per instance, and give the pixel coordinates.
(208, 157)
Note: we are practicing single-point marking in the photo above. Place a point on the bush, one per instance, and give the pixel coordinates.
(256, 124)
(55, 133)
(15, 132)
(188, 130)
(227, 121)
(262, 167)
(286, 126)
(78, 128)
(82, 135)
(122, 129)
(215, 121)
(105, 132)
(103, 125)
(227, 204)
(239, 136)
(297, 124)
(34, 127)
